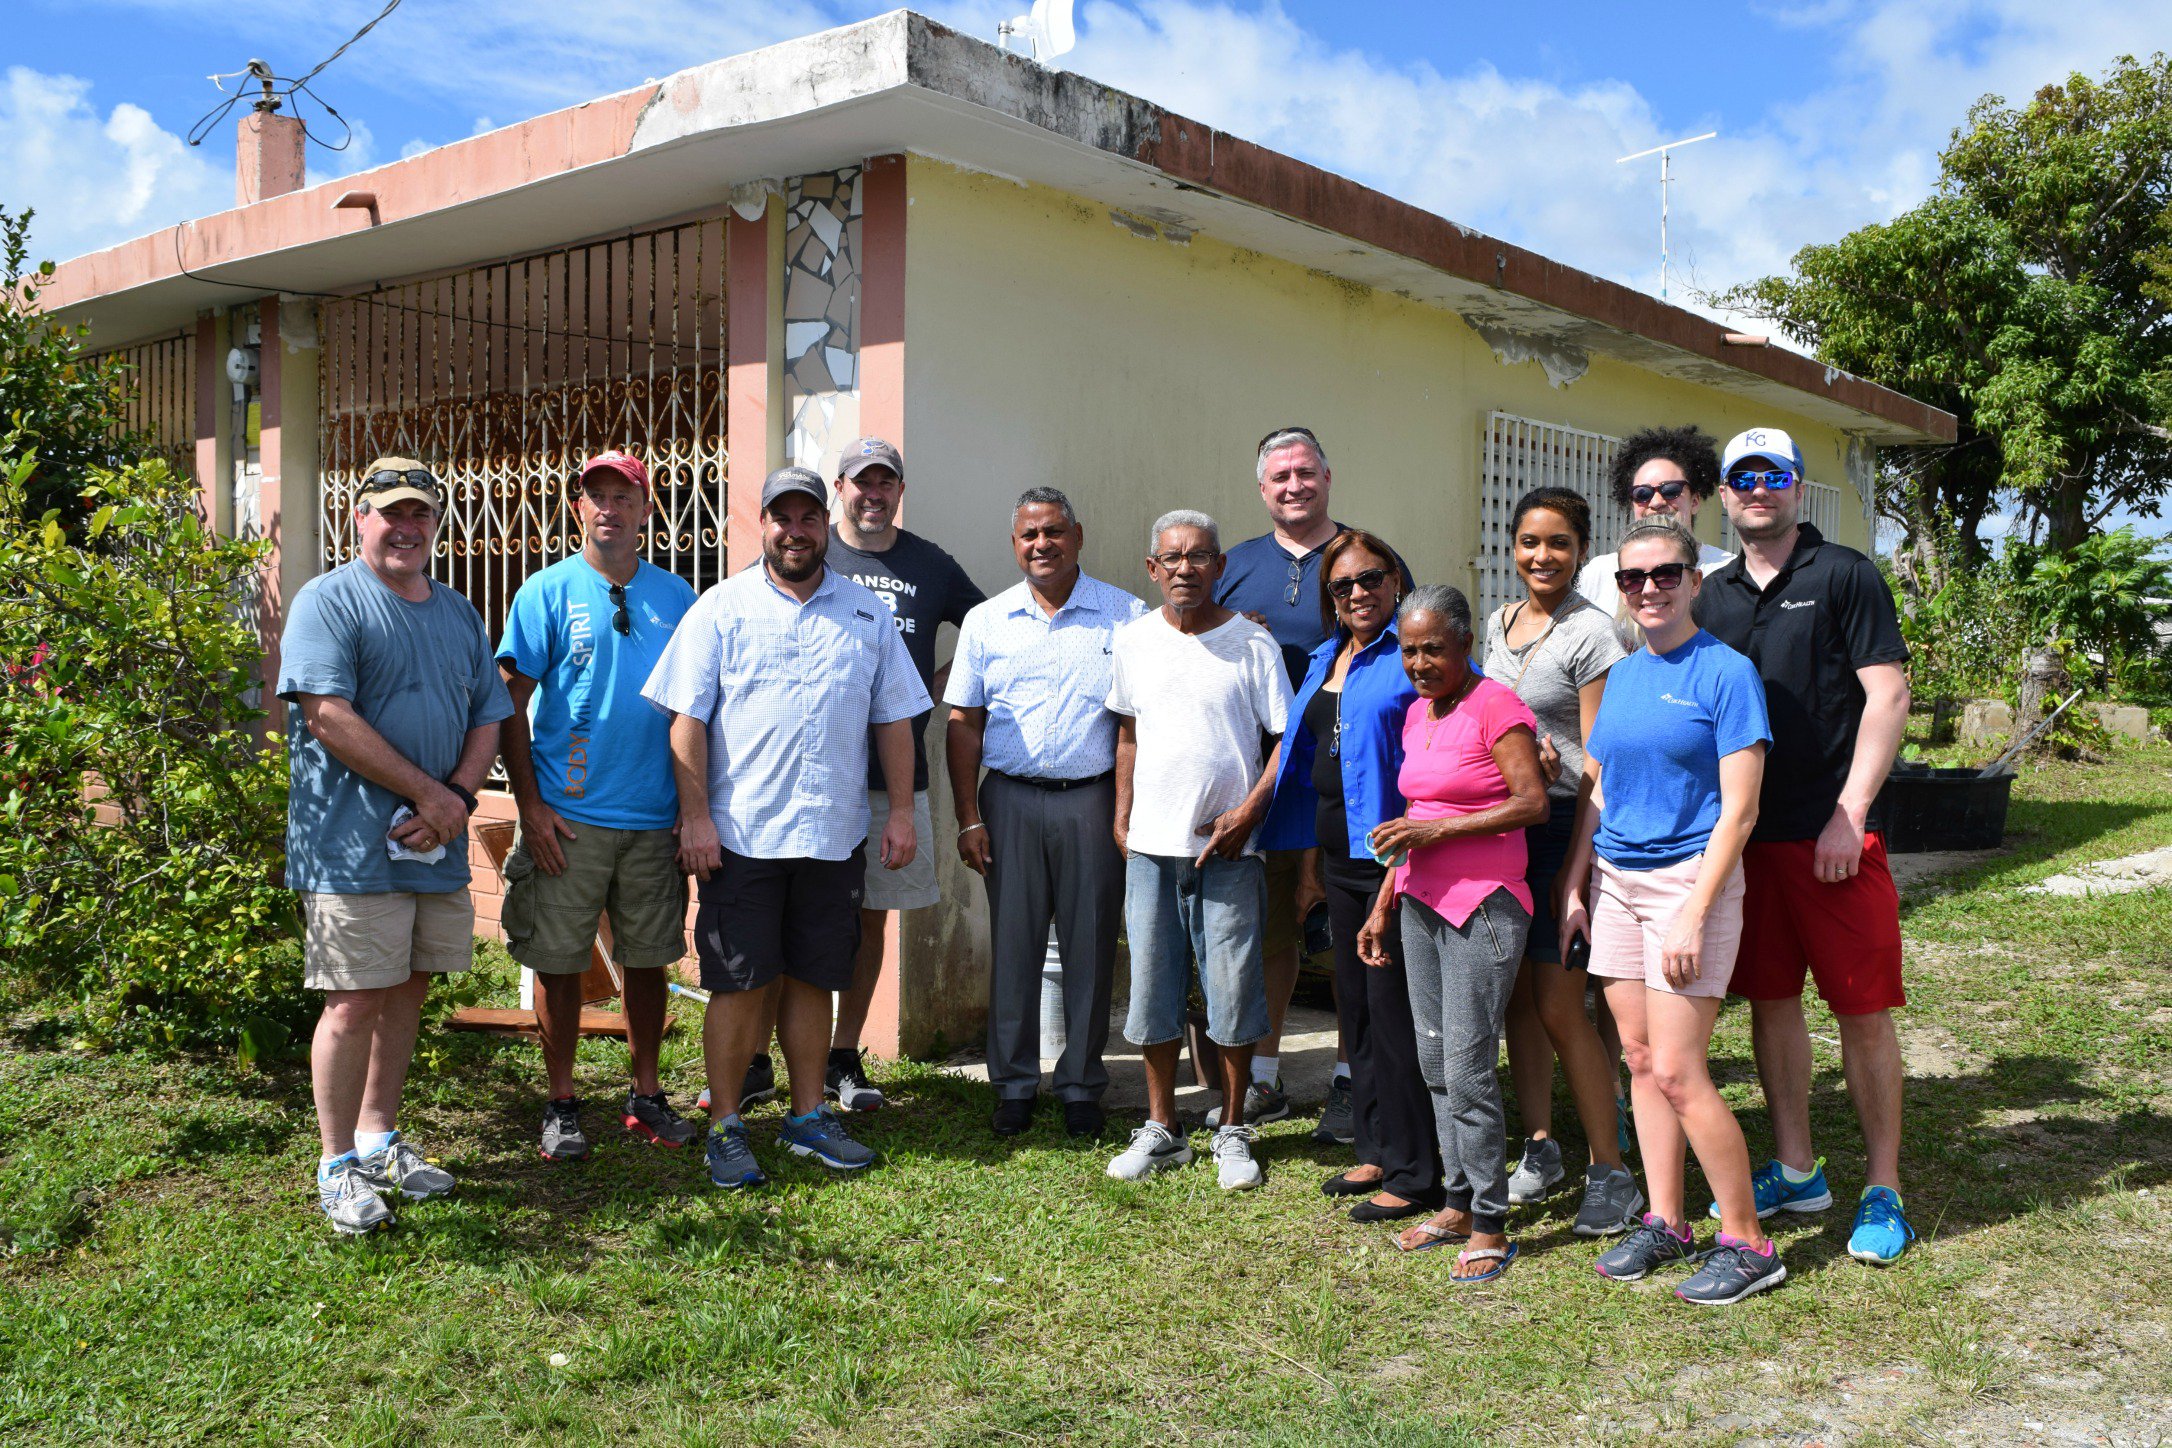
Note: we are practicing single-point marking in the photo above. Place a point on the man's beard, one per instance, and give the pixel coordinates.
(1777, 527)
(796, 572)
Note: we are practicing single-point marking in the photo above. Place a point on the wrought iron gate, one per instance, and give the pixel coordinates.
(504, 377)
(158, 403)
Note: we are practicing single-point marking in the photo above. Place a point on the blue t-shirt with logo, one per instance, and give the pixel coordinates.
(1664, 724)
(602, 752)
(421, 675)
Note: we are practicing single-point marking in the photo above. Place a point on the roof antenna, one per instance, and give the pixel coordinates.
(268, 102)
(1046, 30)
(1666, 176)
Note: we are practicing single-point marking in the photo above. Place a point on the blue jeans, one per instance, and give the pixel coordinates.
(1176, 912)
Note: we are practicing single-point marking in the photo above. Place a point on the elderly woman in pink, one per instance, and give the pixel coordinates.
(1472, 783)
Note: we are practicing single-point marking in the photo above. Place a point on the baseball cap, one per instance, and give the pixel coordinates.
(397, 480)
(867, 452)
(1762, 442)
(616, 460)
(794, 480)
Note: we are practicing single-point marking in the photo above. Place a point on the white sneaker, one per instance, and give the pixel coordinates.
(1153, 1148)
(1233, 1164)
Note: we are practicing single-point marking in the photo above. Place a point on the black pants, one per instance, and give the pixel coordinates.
(1388, 1096)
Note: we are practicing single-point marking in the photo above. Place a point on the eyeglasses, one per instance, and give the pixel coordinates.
(1666, 575)
(1284, 434)
(1197, 558)
(623, 619)
(1297, 581)
(1370, 580)
(385, 478)
(1779, 480)
(1645, 492)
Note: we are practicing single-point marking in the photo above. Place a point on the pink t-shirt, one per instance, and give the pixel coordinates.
(1448, 770)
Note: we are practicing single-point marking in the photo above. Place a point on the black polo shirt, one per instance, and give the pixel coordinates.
(1824, 615)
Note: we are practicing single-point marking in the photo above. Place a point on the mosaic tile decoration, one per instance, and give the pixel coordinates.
(822, 317)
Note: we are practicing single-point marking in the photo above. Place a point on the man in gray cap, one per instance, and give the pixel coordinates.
(773, 808)
(925, 589)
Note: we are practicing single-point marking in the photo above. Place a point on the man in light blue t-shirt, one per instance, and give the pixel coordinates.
(590, 765)
(393, 724)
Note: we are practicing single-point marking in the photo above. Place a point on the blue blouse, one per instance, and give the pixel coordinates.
(1376, 695)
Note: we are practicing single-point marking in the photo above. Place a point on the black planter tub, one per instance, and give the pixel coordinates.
(1942, 809)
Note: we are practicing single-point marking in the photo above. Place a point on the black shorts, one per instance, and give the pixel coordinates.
(759, 919)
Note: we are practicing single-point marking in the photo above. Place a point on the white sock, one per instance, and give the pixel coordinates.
(1265, 1069)
(1794, 1177)
(369, 1143)
(1342, 1070)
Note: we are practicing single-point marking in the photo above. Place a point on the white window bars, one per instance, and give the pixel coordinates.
(504, 377)
(1522, 454)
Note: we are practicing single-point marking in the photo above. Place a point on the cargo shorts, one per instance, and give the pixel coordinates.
(631, 876)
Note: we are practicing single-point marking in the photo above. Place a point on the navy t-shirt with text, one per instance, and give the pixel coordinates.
(925, 589)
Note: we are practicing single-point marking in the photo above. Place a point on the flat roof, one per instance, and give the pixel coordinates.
(903, 83)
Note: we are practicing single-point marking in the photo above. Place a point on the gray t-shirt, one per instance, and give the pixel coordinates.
(420, 674)
(1549, 673)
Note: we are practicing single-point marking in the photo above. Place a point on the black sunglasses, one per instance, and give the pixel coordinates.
(385, 478)
(623, 619)
(1370, 580)
(1666, 575)
(1645, 492)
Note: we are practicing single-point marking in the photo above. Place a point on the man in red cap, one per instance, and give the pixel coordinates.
(590, 765)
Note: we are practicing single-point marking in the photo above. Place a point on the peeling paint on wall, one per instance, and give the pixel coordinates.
(1562, 362)
(1153, 224)
(1860, 459)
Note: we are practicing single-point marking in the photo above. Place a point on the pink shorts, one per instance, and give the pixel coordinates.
(1632, 910)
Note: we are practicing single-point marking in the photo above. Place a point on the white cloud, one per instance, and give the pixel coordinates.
(95, 179)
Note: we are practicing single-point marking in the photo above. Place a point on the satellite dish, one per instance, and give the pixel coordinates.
(1046, 30)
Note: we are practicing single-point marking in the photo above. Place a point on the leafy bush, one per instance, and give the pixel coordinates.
(2096, 598)
(141, 856)
(1965, 640)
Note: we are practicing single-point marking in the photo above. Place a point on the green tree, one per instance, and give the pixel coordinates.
(2031, 296)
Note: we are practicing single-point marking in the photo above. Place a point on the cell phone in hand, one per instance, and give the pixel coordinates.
(1576, 955)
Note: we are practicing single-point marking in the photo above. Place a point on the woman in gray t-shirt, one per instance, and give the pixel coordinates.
(1554, 647)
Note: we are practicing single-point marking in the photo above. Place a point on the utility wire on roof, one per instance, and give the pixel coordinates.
(276, 90)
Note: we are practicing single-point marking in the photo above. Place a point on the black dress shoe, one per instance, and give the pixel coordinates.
(1370, 1211)
(1083, 1118)
(1013, 1115)
(1343, 1186)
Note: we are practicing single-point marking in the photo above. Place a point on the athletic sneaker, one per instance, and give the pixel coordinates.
(1153, 1148)
(1233, 1164)
(1612, 1204)
(349, 1202)
(563, 1139)
(1338, 1119)
(1732, 1271)
(1649, 1247)
(761, 1082)
(845, 1082)
(1262, 1104)
(730, 1158)
(399, 1168)
(1775, 1193)
(652, 1117)
(1537, 1173)
(823, 1138)
(1881, 1231)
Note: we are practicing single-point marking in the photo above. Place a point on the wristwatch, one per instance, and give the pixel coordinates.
(466, 797)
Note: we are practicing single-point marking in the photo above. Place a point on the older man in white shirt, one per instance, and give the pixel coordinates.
(1028, 696)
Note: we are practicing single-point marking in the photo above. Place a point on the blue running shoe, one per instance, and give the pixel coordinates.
(1881, 1232)
(823, 1138)
(731, 1158)
(1775, 1193)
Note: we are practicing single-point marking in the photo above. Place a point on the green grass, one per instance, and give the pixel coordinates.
(166, 1276)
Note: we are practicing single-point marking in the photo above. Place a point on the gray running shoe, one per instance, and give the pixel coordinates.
(1234, 1168)
(1650, 1247)
(845, 1081)
(563, 1139)
(1612, 1203)
(653, 1118)
(349, 1202)
(1262, 1104)
(400, 1168)
(1537, 1173)
(823, 1138)
(1732, 1271)
(1153, 1148)
(730, 1158)
(1338, 1119)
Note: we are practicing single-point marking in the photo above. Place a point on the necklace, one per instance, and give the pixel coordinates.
(1433, 721)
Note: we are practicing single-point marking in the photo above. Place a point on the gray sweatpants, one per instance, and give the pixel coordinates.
(1460, 979)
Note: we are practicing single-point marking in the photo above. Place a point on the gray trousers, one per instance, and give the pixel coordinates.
(1051, 854)
(1460, 979)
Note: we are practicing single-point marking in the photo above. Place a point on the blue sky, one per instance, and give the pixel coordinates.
(1504, 117)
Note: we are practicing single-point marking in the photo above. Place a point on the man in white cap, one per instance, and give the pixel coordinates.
(1818, 621)
(590, 765)
(774, 679)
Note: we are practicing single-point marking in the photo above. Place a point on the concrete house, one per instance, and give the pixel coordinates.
(1020, 276)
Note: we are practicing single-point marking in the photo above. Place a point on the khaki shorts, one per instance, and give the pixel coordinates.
(370, 942)
(913, 887)
(1279, 930)
(631, 875)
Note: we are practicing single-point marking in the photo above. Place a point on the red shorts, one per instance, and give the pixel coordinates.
(1844, 935)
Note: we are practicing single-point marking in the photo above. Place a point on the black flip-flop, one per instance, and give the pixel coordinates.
(1342, 1186)
(1370, 1211)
